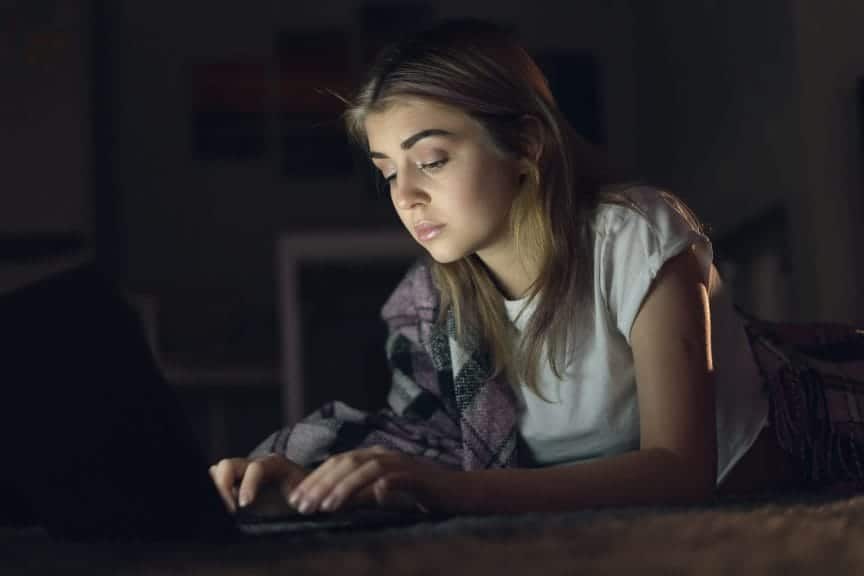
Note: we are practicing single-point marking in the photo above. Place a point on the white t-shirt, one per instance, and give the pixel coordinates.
(598, 413)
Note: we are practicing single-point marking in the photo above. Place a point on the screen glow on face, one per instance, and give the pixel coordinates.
(442, 173)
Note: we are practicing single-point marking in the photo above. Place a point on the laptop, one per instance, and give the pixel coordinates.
(97, 439)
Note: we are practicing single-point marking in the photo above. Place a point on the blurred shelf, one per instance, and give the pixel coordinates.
(221, 377)
(38, 246)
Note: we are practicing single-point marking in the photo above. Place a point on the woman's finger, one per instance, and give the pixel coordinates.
(225, 474)
(254, 476)
(352, 459)
(261, 471)
(324, 470)
(309, 494)
(349, 484)
(319, 485)
(226, 498)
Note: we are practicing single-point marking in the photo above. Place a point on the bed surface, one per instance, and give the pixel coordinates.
(803, 534)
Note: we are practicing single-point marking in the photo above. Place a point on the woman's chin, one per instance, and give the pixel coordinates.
(444, 256)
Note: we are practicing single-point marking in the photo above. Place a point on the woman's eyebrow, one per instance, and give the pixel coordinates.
(411, 140)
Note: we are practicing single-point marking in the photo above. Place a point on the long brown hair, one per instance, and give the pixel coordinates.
(481, 70)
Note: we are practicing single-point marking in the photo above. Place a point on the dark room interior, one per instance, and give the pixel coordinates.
(195, 154)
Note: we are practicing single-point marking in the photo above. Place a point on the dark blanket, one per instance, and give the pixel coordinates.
(791, 535)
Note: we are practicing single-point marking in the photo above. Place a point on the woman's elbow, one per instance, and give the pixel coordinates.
(696, 483)
(699, 488)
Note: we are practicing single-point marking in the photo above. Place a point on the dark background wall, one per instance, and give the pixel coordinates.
(114, 115)
(745, 108)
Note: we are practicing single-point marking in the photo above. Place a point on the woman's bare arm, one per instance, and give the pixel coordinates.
(677, 460)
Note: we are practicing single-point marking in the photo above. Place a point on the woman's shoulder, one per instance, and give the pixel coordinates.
(635, 238)
(640, 204)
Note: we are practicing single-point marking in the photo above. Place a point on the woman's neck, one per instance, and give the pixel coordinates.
(513, 276)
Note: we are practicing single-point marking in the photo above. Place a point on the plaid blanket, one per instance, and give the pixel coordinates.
(443, 405)
(814, 373)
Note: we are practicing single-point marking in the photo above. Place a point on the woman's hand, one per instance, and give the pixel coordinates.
(252, 476)
(379, 476)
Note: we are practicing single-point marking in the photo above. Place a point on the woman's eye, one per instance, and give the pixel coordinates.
(429, 166)
(425, 167)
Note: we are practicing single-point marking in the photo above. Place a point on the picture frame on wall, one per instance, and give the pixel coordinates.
(314, 71)
(229, 103)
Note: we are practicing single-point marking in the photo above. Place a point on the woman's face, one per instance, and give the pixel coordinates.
(450, 187)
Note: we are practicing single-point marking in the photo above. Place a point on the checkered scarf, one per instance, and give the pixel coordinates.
(442, 404)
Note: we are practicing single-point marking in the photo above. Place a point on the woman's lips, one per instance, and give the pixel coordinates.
(427, 231)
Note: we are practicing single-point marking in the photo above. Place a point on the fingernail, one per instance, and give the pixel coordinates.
(327, 504)
(305, 507)
(293, 498)
(244, 499)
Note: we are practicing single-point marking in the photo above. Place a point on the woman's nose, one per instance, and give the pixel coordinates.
(407, 193)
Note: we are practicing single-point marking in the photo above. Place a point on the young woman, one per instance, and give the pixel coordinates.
(569, 343)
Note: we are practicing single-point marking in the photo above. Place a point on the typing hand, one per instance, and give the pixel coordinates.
(240, 480)
(385, 478)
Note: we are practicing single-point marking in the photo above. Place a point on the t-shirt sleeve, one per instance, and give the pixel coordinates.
(634, 247)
